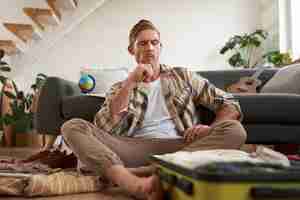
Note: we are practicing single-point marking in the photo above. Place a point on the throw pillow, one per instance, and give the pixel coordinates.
(62, 183)
(286, 80)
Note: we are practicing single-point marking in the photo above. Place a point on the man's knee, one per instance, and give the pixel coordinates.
(70, 127)
(235, 132)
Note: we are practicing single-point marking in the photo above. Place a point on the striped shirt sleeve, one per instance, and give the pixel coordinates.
(103, 118)
(206, 94)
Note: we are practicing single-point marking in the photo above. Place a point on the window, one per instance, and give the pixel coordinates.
(295, 27)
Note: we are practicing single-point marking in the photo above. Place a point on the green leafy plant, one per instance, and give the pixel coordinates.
(21, 116)
(278, 59)
(39, 81)
(4, 67)
(244, 48)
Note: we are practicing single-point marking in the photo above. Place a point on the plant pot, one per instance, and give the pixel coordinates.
(23, 139)
(23, 125)
(27, 139)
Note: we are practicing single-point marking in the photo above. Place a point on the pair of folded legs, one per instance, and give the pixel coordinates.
(122, 160)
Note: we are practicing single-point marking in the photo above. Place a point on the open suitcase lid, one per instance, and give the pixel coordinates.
(235, 171)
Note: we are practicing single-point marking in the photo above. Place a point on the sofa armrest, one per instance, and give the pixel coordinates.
(270, 108)
(48, 117)
(224, 78)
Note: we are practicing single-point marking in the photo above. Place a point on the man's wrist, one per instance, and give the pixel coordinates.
(129, 84)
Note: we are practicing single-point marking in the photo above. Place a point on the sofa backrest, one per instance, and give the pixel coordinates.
(223, 78)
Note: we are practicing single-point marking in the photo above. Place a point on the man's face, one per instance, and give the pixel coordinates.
(146, 48)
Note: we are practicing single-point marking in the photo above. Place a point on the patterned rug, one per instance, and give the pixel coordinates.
(20, 180)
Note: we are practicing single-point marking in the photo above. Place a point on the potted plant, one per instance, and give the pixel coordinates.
(278, 59)
(244, 48)
(39, 139)
(20, 115)
(4, 67)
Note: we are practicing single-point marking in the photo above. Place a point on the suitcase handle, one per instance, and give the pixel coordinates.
(169, 178)
(271, 192)
(183, 184)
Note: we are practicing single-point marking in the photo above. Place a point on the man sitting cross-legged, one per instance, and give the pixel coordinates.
(153, 111)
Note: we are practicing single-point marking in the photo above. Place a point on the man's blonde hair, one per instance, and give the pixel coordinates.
(137, 28)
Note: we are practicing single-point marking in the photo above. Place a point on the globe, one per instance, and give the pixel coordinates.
(87, 83)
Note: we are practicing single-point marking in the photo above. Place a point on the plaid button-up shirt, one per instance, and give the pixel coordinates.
(183, 91)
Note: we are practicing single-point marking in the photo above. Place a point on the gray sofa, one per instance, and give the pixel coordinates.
(269, 118)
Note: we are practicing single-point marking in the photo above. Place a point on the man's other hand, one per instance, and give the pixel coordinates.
(196, 132)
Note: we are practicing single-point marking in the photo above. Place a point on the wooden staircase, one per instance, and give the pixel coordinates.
(42, 20)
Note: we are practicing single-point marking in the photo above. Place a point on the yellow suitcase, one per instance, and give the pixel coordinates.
(229, 181)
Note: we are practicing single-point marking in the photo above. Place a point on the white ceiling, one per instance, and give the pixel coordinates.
(12, 11)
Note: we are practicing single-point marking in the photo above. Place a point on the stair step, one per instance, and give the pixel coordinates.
(9, 47)
(54, 7)
(25, 32)
(64, 4)
(42, 17)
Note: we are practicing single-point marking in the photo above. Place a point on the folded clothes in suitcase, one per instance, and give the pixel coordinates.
(243, 180)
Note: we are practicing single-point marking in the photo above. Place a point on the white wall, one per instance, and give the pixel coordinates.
(192, 32)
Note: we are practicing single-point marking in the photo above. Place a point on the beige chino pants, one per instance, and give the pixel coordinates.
(99, 150)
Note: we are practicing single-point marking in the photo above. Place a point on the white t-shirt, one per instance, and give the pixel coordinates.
(157, 122)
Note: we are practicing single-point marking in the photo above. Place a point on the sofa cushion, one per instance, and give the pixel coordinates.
(269, 133)
(286, 80)
(82, 106)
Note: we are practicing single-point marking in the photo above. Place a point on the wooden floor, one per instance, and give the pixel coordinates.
(108, 194)
(18, 152)
(112, 194)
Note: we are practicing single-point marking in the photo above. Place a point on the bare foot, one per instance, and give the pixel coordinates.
(139, 187)
(156, 189)
(148, 188)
